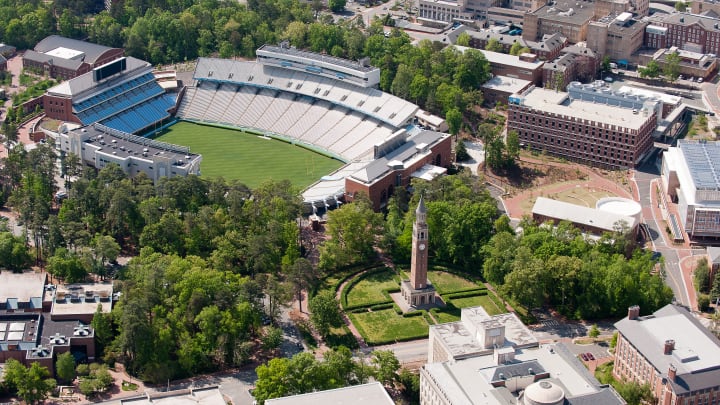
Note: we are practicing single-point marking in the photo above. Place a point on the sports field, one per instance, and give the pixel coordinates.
(235, 154)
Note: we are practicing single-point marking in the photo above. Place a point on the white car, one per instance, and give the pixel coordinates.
(609, 79)
(700, 79)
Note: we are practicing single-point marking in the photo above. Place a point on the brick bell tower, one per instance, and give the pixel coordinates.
(419, 260)
(418, 290)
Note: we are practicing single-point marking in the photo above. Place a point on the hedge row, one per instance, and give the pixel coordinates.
(390, 341)
(386, 293)
(465, 294)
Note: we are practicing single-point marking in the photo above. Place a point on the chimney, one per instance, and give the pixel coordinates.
(633, 312)
(672, 372)
(669, 346)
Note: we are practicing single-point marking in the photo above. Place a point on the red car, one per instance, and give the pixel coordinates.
(584, 356)
(590, 356)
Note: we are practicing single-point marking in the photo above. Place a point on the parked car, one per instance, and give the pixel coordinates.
(590, 356)
(584, 356)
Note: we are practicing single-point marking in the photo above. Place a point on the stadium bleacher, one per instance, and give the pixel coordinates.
(341, 118)
(130, 105)
(142, 115)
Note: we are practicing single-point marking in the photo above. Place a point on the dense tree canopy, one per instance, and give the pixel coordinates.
(304, 373)
(580, 277)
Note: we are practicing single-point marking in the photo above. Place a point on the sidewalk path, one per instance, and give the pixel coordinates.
(594, 181)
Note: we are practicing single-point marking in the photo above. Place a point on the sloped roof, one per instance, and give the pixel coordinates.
(92, 51)
(696, 354)
(51, 60)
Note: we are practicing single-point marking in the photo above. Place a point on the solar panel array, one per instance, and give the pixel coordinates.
(703, 160)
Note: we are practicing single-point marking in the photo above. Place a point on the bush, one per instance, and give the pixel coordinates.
(379, 307)
(411, 314)
(83, 370)
(703, 302)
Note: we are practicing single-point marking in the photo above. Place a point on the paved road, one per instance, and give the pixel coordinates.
(646, 178)
(407, 352)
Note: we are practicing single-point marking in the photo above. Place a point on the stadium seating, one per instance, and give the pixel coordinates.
(127, 105)
(143, 115)
(342, 119)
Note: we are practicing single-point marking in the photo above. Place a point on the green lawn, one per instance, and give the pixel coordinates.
(445, 315)
(234, 154)
(480, 300)
(369, 290)
(386, 326)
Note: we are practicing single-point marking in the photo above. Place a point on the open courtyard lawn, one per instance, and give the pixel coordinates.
(446, 283)
(580, 194)
(369, 290)
(447, 314)
(235, 154)
(386, 326)
(480, 300)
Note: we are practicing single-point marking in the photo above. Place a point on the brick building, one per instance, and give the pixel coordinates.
(33, 329)
(608, 136)
(576, 63)
(65, 58)
(547, 48)
(570, 19)
(691, 32)
(424, 155)
(692, 64)
(672, 352)
(617, 36)
(525, 66)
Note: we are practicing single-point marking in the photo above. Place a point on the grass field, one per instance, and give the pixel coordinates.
(369, 290)
(578, 195)
(234, 154)
(385, 326)
(479, 300)
(447, 282)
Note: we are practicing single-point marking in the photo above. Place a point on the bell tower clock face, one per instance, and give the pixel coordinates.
(421, 246)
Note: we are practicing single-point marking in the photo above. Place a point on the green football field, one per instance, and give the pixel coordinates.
(234, 154)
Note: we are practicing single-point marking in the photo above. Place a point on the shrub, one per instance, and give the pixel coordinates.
(413, 313)
(703, 301)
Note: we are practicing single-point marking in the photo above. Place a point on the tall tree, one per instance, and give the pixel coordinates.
(32, 384)
(672, 66)
(325, 312)
(351, 231)
(65, 367)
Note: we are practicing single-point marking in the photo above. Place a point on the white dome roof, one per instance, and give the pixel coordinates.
(544, 393)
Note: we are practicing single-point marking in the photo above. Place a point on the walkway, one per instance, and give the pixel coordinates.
(594, 181)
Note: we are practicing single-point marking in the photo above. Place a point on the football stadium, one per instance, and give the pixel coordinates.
(314, 119)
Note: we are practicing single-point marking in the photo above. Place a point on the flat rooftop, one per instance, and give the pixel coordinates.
(364, 394)
(123, 145)
(558, 103)
(65, 53)
(22, 286)
(19, 329)
(199, 396)
(566, 12)
(579, 214)
(82, 298)
(506, 84)
(346, 63)
(499, 58)
(459, 339)
(662, 96)
(703, 161)
(468, 381)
